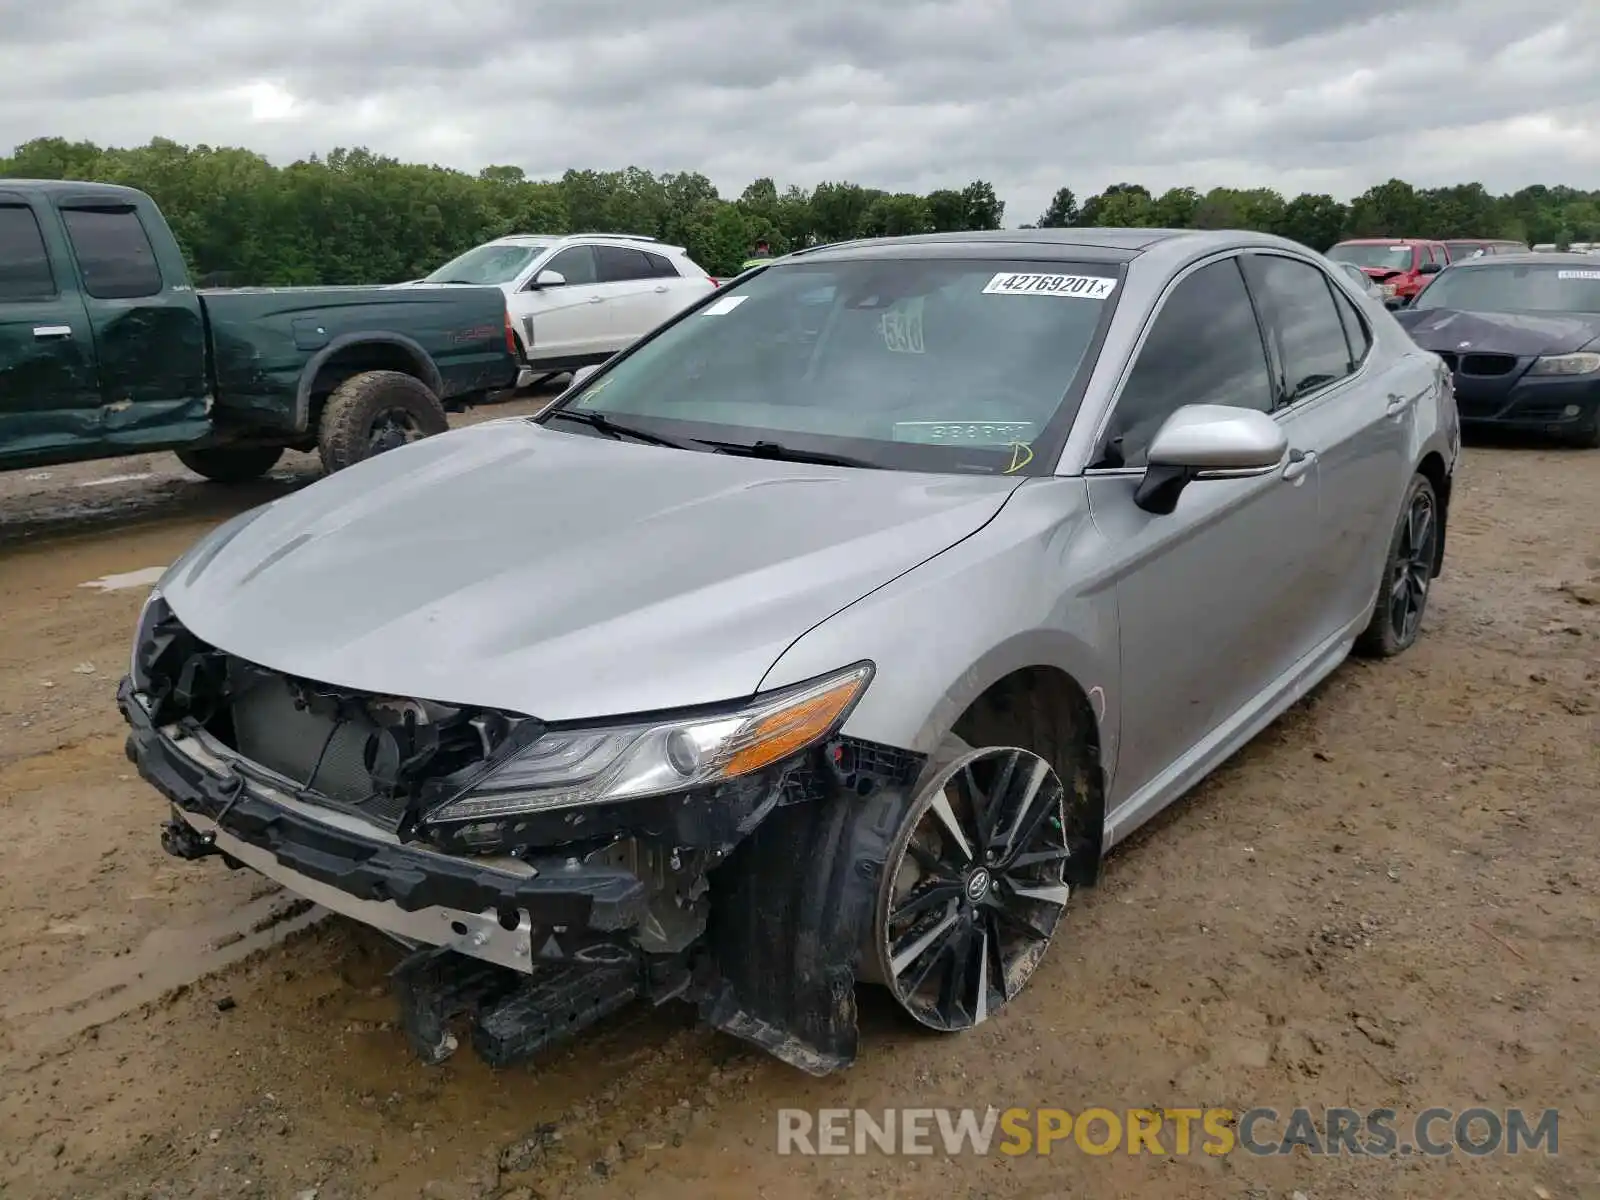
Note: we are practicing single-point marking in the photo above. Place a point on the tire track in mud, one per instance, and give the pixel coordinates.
(167, 960)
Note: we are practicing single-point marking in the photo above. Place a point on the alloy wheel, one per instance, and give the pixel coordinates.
(391, 429)
(1413, 567)
(973, 889)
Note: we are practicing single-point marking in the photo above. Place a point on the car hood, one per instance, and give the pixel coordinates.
(561, 575)
(1520, 334)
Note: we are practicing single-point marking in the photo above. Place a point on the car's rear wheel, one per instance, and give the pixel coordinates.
(374, 412)
(972, 889)
(231, 464)
(1407, 574)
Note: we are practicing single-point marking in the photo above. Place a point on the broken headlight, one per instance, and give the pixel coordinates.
(572, 767)
(153, 611)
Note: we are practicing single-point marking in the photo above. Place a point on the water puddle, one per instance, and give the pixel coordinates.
(116, 479)
(143, 577)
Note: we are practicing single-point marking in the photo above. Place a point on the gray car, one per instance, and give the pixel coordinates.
(832, 632)
(1360, 280)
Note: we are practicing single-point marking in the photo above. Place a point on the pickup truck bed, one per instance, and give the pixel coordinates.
(106, 349)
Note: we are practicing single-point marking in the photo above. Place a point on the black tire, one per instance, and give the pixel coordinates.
(1397, 619)
(231, 464)
(373, 412)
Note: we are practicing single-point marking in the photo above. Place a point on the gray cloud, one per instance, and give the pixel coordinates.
(915, 94)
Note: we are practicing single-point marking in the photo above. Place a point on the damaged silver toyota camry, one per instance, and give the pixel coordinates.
(831, 633)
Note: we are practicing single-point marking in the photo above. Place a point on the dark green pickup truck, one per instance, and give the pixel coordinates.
(106, 348)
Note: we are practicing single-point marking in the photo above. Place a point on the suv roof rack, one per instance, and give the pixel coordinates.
(556, 237)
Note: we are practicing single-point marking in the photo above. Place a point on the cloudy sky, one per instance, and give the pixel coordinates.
(1323, 95)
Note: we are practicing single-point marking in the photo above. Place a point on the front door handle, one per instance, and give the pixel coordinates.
(662, 288)
(596, 299)
(1300, 461)
(52, 331)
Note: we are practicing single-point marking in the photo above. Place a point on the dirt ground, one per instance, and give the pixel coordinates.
(1391, 899)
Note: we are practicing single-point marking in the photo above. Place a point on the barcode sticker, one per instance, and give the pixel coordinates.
(1076, 287)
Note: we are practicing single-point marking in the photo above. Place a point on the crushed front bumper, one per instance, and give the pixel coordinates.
(500, 910)
(790, 905)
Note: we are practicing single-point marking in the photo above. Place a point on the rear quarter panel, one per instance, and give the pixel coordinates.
(266, 341)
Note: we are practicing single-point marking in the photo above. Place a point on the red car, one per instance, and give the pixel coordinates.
(1400, 266)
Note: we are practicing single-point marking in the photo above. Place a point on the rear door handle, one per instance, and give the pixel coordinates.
(1300, 461)
(52, 331)
(596, 299)
(662, 288)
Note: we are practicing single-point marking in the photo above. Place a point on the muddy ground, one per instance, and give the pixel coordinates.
(1390, 900)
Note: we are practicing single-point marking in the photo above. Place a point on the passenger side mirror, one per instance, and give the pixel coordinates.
(1207, 441)
(549, 278)
(583, 373)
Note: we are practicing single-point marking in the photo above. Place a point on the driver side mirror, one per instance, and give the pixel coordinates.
(548, 278)
(583, 373)
(1430, 268)
(1207, 441)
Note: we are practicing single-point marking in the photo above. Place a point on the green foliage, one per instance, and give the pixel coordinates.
(356, 217)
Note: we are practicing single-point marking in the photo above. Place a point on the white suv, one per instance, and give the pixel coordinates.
(578, 299)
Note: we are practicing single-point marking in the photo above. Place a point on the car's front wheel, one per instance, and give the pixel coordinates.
(972, 889)
(1408, 572)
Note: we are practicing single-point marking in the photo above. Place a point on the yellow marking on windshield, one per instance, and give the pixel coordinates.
(1018, 461)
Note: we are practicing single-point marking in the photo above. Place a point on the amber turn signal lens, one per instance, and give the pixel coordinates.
(780, 734)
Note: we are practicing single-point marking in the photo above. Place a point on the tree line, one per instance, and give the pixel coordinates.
(353, 216)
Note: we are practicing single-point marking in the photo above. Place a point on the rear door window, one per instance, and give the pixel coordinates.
(1297, 301)
(24, 265)
(620, 264)
(113, 251)
(659, 265)
(1356, 333)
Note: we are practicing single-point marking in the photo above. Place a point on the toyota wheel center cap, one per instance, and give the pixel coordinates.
(978, 884)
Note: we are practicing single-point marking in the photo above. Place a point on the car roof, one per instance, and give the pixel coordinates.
(70, 189)
(1067, 245)
(642, 241)
(1387, 241)
(1550, 258)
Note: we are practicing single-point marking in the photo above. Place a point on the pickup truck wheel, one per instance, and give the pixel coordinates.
(231, 464)
(373, 412)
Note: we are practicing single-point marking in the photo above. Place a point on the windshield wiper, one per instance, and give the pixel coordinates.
(614, 429)
(781, 453)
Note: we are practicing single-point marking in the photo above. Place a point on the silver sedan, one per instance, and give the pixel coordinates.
(834, 631)
(1360, 280)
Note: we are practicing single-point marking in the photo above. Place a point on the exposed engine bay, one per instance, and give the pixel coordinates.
(749, 895)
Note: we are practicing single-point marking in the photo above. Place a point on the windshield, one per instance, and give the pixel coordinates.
(1394, 258)
(1540, 287)
(497, 262)
(915, 364)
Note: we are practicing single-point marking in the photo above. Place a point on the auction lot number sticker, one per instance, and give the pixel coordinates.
(1075, 287)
